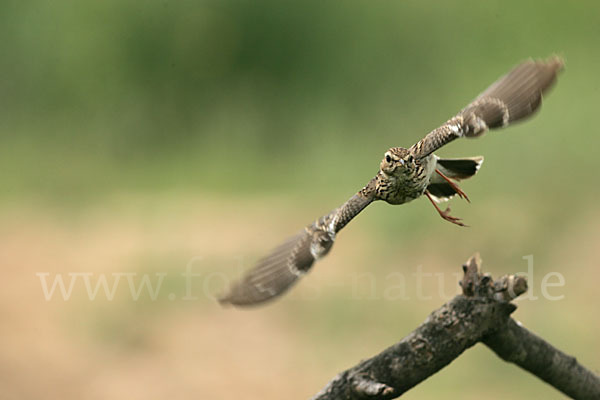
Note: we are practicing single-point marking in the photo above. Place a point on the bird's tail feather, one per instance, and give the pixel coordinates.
(459, 168)
(453, 168)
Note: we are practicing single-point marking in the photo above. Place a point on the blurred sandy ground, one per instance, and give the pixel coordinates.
(125, 349)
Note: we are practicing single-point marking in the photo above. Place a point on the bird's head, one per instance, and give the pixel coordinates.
(397, 161)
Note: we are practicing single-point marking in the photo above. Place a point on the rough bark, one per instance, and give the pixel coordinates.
(481, 313)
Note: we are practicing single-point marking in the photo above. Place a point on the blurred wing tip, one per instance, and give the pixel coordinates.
(556, 61)
(231, 300)
(555, 64)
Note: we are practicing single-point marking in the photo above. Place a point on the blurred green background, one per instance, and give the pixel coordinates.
(135, 136)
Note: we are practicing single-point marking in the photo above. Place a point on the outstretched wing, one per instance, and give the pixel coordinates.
(515, 96)
(274, 274)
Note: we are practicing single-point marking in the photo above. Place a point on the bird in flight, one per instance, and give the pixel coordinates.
(404, 175)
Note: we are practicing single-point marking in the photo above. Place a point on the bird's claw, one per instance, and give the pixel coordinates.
(455, 220)
(461, 194)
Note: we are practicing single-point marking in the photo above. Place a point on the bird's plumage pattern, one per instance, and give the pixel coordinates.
(404, 175)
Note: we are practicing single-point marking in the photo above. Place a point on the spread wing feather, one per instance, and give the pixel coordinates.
(514, 96)
(276, 273)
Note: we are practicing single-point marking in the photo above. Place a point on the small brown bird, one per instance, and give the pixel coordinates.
(404, 175)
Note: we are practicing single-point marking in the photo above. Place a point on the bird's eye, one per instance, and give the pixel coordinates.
(388, 158)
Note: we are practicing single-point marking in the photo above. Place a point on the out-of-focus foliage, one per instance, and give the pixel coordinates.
(123, 94)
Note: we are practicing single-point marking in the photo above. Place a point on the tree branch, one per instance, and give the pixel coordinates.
(481, 313)
(516, 344)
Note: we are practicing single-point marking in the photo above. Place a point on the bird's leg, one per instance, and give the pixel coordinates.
(458, 190)
(444, 214)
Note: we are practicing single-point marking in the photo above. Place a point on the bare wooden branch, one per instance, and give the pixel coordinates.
(481, 313)
(516, 344)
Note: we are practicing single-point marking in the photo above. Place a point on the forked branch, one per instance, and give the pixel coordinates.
(480, 314)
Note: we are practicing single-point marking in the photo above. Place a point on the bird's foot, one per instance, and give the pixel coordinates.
(460, 193)
(446, 215)
(454, 186)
